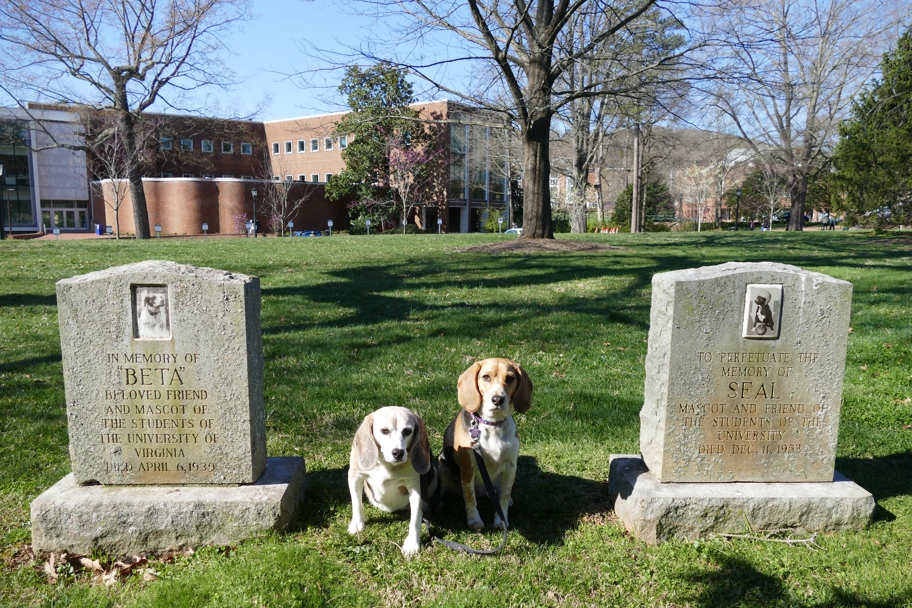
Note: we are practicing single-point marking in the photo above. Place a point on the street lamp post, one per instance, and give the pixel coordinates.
(9, 211)
(738, 208)
(368, 224)
(499, 224)
(330, 224)
(253, 193)
(439, 225)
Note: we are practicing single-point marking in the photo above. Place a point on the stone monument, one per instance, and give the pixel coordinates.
(741, 406)
(163, 375)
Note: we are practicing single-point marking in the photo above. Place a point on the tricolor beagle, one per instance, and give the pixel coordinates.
(489, 392)
(391, 463)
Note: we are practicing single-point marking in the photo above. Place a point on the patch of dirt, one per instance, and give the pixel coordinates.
(538, 245)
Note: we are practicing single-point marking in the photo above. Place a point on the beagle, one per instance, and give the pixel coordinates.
(489, 392)
(391, 463)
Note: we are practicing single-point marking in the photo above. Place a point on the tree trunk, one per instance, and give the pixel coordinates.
(134, 177)
(635, 195)
(798, 194)
(537, 222)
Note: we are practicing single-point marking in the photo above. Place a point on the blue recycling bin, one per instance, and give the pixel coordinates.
(99, 229)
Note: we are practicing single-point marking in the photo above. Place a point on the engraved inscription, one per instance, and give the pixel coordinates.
(158, 421)
(751, 415)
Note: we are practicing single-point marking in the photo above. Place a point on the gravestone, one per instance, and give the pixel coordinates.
(163, 376)
(741, 406)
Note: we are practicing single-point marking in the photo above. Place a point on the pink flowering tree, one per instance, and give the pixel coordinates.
(417, 171)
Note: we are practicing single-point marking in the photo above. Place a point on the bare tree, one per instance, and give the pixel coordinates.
(788, 71)
(108, 156)
(118, 55)
(698, 183)
(517, 59)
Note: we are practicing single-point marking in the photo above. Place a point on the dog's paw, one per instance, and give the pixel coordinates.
(355, 527)
(499, 524)
(411, 547)
(476, 525)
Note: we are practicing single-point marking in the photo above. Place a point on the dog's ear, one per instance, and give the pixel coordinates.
(522, 396)
(467, 387)
(420, 452)
(365, 445)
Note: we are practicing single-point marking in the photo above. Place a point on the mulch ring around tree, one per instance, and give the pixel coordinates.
(538, 245)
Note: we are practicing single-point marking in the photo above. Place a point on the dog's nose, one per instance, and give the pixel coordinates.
(497, 400)
(398, 454)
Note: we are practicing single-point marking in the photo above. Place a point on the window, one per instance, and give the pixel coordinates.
(314, 145)
(228, 176)
(302, 178)
(328, 177)
(186, 145)
(275, 147)
(165, 143)
(328, 143)
(246, 177)
(188, 175)
(247, 149)
(206, 145)
(315, 178)
(276, 178)
(302, 146)
(167, 175)
(287, 147)
(227, 147)
(343, 142)
(208, 175)
(289, 178)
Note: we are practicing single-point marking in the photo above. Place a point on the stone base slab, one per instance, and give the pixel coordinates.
(126, 520)
(656, 512)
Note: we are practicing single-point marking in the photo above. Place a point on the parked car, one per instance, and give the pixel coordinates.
(308, 233)
(513, 231)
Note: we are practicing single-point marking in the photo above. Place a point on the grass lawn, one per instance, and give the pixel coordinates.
(354, 323)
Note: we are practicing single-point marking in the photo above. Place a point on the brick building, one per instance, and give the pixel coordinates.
(204, 171)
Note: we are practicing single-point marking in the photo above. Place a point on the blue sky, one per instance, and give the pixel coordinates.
(276, 44)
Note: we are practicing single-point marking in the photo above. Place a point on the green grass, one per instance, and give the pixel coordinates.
(354, 323)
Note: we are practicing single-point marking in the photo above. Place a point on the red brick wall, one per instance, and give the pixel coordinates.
(182, 205)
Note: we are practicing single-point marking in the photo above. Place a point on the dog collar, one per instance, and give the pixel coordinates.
(478, 418)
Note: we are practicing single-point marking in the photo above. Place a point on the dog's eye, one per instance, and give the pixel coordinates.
(384, 431)
(510, 379)
(486, 378)
(406, 432)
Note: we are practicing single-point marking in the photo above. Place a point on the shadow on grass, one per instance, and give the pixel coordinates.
(27, 299)
(546, 505)
(29, 364)
(737, 582)
(883, 476)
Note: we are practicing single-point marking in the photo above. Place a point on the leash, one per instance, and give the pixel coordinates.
(495, 500)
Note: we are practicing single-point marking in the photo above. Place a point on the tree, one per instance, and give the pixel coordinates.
(379, 98)
(118, 56)
(873, 159)
(395, 161)
(764, 192)
(698, 183)
(282, 198)
(417, 172)
(657, 201)
(108, 156)
(517, 60)
(788, 71)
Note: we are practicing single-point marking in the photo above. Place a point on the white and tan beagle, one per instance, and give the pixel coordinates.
(391, 463)
(489, 392)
